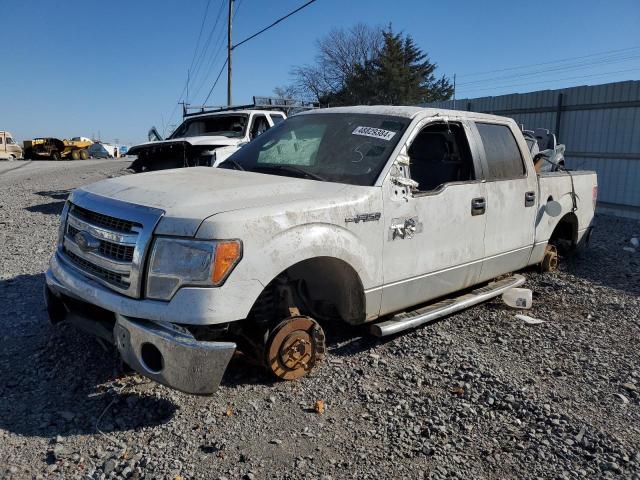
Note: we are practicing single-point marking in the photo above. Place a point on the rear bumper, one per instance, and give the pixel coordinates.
(161, 351)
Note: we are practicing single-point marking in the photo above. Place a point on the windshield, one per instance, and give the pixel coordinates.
(335, 147)
(224, 125)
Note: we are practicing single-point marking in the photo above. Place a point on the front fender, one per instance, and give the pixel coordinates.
(303, 242)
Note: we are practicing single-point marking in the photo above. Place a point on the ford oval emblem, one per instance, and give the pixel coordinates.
(86, 241)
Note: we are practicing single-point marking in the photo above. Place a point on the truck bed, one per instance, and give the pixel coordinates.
(558, 186)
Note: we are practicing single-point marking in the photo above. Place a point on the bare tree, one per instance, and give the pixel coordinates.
(340, 53)
(286, 92)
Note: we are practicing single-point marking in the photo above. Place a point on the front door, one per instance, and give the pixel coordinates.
(434, 234)
(511, 201)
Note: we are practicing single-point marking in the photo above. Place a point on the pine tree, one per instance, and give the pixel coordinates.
(401, 74)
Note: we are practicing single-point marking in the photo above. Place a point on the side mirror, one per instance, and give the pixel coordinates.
(553, 208)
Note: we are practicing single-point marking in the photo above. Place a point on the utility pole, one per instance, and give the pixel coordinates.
(186, 98)
(454, 91)
(229, 48)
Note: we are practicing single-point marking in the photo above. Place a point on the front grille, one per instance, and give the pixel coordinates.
(102, 220)
(106, 275)
(114, 241)
(115, 251)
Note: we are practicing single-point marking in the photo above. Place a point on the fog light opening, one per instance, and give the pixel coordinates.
(151, 358)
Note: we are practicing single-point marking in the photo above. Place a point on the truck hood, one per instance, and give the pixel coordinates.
(203, 141)
(190, 195)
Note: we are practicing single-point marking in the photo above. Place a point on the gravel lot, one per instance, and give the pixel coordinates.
(477, 395)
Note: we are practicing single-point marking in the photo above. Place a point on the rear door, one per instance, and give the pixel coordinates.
(511, 187)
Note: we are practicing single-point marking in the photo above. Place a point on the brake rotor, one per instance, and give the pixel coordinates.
(294, 347)
(550, 260)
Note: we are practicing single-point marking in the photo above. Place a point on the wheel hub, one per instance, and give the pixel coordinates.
(294, 347)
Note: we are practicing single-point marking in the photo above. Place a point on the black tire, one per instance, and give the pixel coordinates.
(55, 156)
(84, 155)
(75, 155)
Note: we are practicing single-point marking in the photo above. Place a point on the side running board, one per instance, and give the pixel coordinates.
(405, 320)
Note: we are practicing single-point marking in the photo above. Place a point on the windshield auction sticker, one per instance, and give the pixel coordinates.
(374, 132)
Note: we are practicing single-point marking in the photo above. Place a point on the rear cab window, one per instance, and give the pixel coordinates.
(503, 156)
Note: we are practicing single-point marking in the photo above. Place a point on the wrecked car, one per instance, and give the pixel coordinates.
(354, 214)
(547, 153)
(203, 139)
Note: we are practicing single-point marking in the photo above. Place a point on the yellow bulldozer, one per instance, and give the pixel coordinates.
(47, 147)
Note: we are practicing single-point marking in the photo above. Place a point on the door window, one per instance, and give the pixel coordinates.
(260, 125)
(439, 155)
(276, 119)
(503, 156)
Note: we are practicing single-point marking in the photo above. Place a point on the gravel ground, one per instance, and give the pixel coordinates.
(477, 395)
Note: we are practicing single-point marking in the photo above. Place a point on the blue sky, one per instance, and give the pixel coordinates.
(81, 67)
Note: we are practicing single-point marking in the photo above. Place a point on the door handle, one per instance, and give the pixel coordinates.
(478, 206)
(529, 199)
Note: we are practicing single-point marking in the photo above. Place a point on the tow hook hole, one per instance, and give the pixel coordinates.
(151, 358)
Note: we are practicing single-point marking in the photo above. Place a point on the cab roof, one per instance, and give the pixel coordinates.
(405, 111)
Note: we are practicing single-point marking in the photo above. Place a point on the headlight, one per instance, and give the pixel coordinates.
(176, 263)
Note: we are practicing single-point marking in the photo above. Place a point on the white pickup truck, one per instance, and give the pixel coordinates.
(204, 139)
(388, 215)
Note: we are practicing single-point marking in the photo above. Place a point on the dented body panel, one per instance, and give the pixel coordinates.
(370, 250)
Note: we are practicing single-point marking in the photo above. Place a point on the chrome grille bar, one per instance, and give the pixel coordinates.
(123, 268)
(102, 233)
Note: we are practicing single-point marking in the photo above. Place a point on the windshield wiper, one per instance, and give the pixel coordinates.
(292, 169)
(229, 161)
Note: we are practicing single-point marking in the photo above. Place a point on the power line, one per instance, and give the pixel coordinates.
(273, 24)
(237, 45)
(549, 62)
(553, 80)
(174, 109)
(558, 68)
(212, 63)
(215, 56)
(216, 82)
(204, 17)
(208, 41)
(198, 62)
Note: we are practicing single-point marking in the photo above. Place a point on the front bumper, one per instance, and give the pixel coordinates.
(171, 355)
(161, 351)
